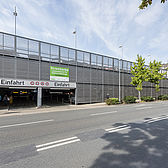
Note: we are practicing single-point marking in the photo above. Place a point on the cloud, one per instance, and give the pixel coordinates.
(150, 15)
(102, 26)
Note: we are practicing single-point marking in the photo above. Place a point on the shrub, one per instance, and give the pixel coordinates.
(163, 97)
(147, 98)
(111, 101)
(129, 99)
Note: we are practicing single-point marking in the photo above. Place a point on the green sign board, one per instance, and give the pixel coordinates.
(59, 73)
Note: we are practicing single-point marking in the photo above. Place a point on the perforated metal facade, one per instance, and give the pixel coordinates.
(95, 75)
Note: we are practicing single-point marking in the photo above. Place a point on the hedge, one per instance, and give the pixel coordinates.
(129, 99)
(147, 98)
(112, 101)
(163, 97)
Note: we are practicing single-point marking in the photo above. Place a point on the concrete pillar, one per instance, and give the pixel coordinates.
(76, 101)
(39, 97)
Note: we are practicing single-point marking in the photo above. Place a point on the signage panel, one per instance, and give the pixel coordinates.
(59, 73)
(35, 83)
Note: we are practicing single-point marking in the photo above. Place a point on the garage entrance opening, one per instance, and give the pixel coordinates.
(58, 97)
(21, 97)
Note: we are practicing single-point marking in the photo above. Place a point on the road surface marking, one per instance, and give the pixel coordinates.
(119, 129)
(29, 123)
(143, 108)
(113, 128)
(116, 129)
(57, 143)
(95, 114)
(159, 119)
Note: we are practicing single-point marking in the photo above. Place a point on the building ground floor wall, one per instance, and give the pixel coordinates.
(38, 93)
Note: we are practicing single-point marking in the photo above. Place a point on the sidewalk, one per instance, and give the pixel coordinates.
(47, 109)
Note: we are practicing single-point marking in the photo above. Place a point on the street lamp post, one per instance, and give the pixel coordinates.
(15, 14)
(119, 82)
(75, 38)
(75, 45)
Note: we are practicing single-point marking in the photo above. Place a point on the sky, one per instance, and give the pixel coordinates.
(101, 25)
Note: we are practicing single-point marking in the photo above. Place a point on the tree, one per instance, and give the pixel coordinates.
(154, 74)
(145, 3)
(139, 72)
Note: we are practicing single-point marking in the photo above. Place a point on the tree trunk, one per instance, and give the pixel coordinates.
(139, 96)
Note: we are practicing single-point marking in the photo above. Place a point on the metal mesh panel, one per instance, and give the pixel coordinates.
(72, 73)
(80, 74)
(9, 65)
(22, 68)
(99, 93)
(94, 93)
(33, 69)
(45, 71)
(86, 73)
(1, 66)
(94, 77)
(116, 76)
(80, 91)
(86, 96)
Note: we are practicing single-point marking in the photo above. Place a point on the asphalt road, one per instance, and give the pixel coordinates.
(123, 136)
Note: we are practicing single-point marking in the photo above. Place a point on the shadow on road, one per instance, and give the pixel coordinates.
(144, 146)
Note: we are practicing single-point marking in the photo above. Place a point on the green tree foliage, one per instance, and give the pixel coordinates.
(154, 75)
(139, 72)
(145, 3)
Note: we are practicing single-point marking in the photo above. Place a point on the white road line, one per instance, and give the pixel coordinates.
(152, 119)
(114, 128)
(143, 108)
(111, 112)
(29, 123)
(56, 145)
(120, 129)
(54, 142)
(157, 120)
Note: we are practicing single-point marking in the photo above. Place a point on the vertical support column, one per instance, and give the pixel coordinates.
(39, 61)
(102, 79)
(119, 96)
(90, 81)
(39, 97)
(76, 102)
(15, 46)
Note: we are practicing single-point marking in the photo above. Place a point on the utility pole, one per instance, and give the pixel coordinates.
(75, 45)
(15, 14)
(119, 71)
(75, 38)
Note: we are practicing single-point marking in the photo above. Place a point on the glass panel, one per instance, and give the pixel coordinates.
(79, 56)
(45, 48)
(1, 39)
(99, 60)
(54, 50)
(22, 43)
(87, 58)
(129, 66)
(8, 41)
(125, 65)
(110, 62)
(105, 61)
(22, 51)
(93, 59)
(22, 55)
(116, 63)
(64, 53)
(54, 53)
(33, 46)
(71, 55)
(121, 64)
